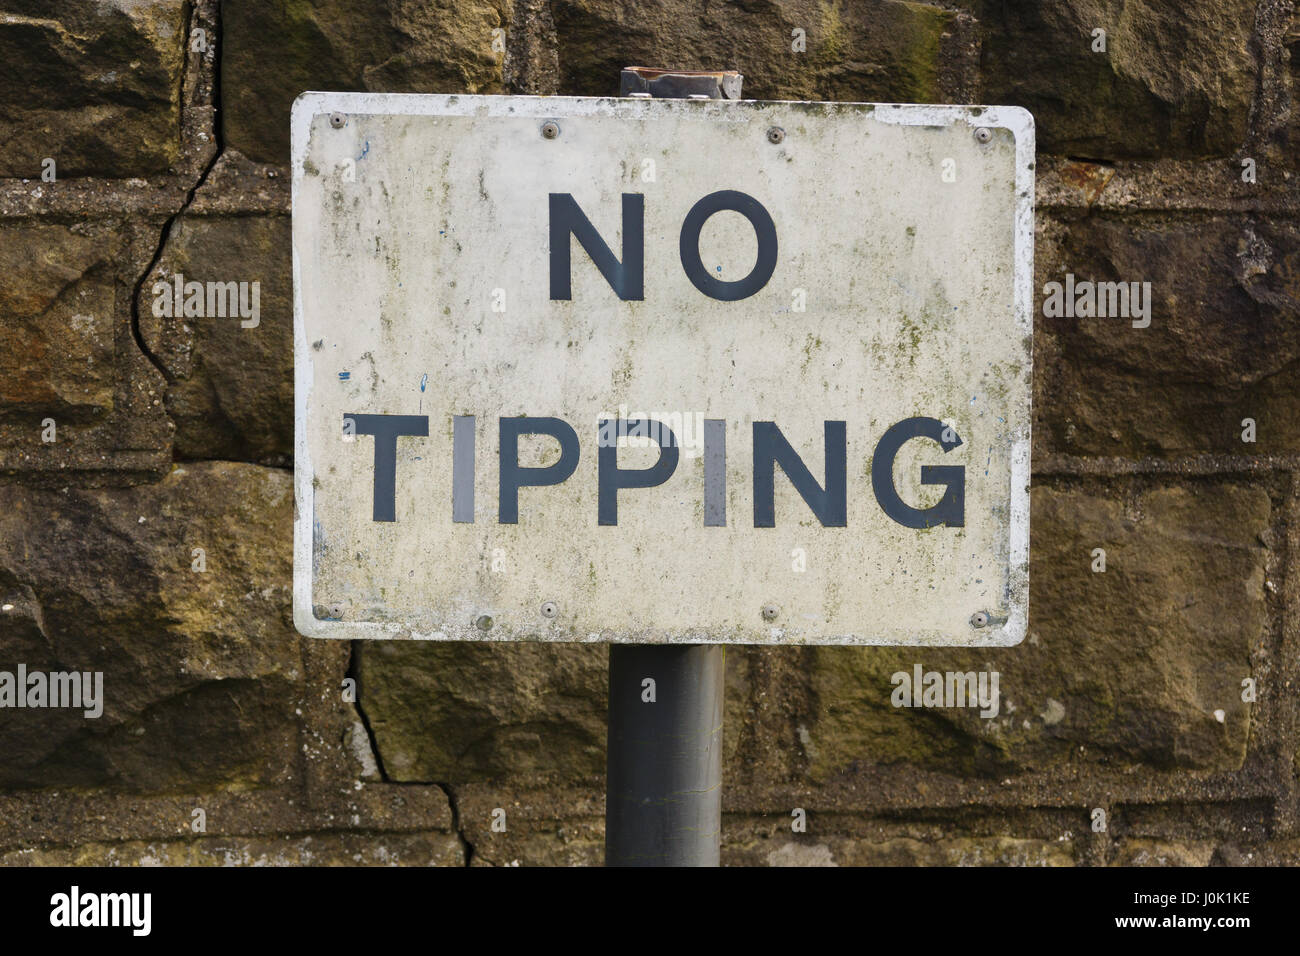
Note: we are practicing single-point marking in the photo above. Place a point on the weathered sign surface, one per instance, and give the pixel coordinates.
(574, 369)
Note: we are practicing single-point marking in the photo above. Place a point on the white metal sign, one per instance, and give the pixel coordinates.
(574, 369)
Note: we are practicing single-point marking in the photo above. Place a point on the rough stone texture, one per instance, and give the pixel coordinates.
(1175, 79)
(200, 669)
(1126, 666)
(792, 850)
(546, 826)
(276, 49)
(1159, 853)
(325, 849)
(873, 51)
(1278, 853)
(457, 712)
(1223, 344)
(94, 86)
(214, 702)
(1284, 34)
(67, 353)
(60, 337)
(231, 394)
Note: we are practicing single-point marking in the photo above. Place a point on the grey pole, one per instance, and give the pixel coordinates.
(663, 777)
(663, 768)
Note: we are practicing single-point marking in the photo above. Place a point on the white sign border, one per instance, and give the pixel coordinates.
(1017, 120)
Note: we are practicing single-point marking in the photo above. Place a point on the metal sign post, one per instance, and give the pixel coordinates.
(663, 763)
(663, 768)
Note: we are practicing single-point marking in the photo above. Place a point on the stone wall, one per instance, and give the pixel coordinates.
(167, 124)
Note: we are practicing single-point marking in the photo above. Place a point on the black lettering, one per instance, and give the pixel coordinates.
(764, 230)
(386, 429)
(770, 449)
(612, 478)
(950, 510)
(513, 477)
(626, 278)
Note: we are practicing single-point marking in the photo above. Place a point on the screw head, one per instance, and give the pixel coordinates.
(979, 619)
(770, 611)
(550, 129)
(336, 610)
(338, 120)
(776, 135)
(983, 134)
(483, 622)
(549, 609)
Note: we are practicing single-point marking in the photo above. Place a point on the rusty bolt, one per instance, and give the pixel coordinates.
(338, 120)
(776, 135)
(550, 129)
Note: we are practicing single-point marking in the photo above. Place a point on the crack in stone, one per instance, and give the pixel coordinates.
(214, 131)
(467, 848)
(361, 713)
